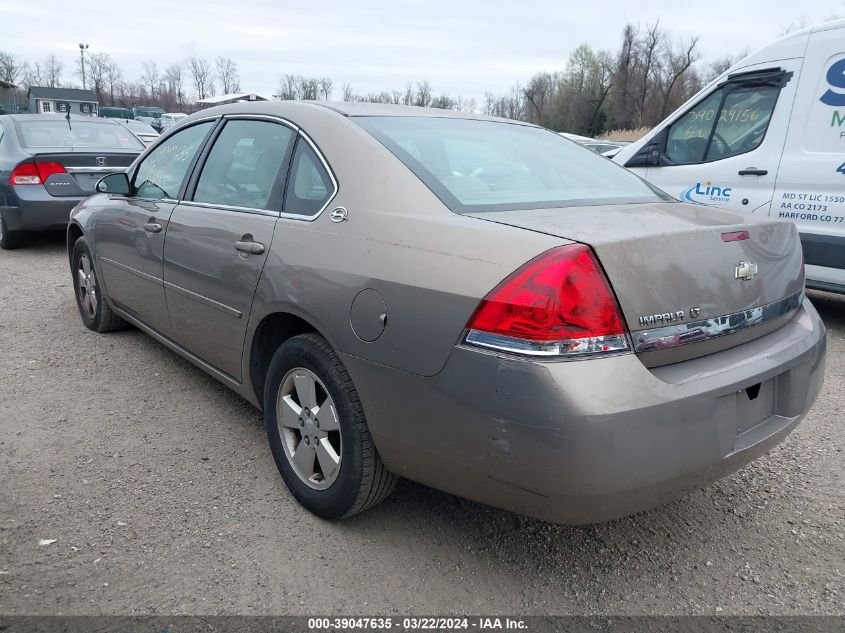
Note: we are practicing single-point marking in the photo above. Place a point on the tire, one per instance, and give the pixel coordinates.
(8, 240)
(95, 311)
(358, 480)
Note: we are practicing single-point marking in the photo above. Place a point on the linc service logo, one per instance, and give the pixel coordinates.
(707, 194)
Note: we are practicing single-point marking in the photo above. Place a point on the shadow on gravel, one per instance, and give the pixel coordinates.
(43, 242)
(831, 307)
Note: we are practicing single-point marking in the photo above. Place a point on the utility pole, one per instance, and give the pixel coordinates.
(82, 48)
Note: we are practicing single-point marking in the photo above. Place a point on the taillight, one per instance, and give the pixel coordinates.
(558, 304)
(34, 173)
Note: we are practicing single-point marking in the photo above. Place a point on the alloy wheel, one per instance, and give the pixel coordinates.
(309, 428)
(86, 286)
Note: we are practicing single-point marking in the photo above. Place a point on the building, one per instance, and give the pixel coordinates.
(230, 98)
(8, 98)
(62, 100)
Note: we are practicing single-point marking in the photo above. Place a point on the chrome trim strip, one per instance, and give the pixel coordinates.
(568, 348)
(264, 117)
(147, 277)
(228, 207)
(96, 170)
(705, 329)
(203, 299)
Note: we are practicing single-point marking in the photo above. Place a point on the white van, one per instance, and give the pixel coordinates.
(766, 137)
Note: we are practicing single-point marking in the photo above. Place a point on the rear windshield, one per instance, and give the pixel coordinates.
(475, 166)
(61, 133)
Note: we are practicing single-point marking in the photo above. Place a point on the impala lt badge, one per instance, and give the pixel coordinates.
(665, 318)
(745, 271)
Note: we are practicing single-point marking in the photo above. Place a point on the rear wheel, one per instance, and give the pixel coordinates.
(8, 240)
(96, 313)
(318, 433)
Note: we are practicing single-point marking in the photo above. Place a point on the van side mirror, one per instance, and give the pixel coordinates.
(649, 154)
(115, 184)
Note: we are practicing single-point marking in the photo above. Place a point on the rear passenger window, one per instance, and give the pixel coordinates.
(243, 164)
(310, 187)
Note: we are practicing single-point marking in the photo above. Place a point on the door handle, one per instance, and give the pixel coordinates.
(753, 171)
(152, 227)
(250, 248)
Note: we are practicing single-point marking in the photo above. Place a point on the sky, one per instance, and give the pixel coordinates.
(462, 47)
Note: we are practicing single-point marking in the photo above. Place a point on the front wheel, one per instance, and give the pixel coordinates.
(318, 433)
(96, 313)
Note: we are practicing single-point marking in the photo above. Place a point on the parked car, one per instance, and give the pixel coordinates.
(116, 113)
(169, 119)
(468, 302)
(597, 145)
(767, 137)
(49, 162)
(142, 130)
(150, 115)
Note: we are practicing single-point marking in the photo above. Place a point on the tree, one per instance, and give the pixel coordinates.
(325, 88)
(174, 76)
(113, 77)
(10, 67)
(150, 76)
(96, 73)
(677, 63)
(52, 71)
(288, 88)
(202, 76)
(348, 95)
(227, 72)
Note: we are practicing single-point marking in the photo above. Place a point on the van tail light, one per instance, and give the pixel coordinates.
(558, 304)
(34, 173)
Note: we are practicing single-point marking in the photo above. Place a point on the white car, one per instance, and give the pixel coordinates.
(169, 119)
(766, 137)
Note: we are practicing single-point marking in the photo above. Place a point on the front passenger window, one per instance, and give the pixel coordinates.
(161, 173)
(731, 121)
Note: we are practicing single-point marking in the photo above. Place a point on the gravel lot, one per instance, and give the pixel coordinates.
(158, 485)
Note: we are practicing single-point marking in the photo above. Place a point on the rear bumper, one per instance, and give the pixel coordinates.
(37, 210)
(588, 441)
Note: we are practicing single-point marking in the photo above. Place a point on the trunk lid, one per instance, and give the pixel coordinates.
(676, 278)
(83, 168)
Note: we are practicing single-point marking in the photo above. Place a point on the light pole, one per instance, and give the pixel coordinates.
(82, 49)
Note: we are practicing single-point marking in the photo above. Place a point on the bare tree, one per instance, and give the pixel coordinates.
(113, 77)
(348, 95)
(175, 79)
(288, 88)
(423, 96)
(10, 67)
(677, 63)
(150, 76)
(227, 72)
(649, 54)
(325, 88)
(203, 77)
(96, 72)
(52, 71)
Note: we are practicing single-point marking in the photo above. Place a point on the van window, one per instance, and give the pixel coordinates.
(730, 121)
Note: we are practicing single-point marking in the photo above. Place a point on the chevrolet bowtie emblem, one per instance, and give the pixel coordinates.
(745, 271)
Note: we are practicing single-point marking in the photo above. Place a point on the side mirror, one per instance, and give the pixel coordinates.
(649, 154)
(115, 184)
